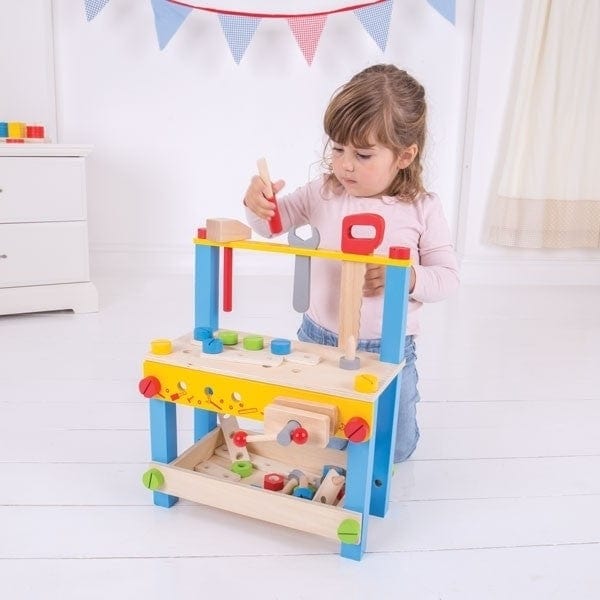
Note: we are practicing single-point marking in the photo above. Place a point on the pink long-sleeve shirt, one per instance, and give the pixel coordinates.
(420, 226)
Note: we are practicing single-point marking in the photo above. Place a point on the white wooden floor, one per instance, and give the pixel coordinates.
(501, 499)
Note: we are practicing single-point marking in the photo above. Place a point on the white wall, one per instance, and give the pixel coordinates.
(26, 64)
(495, 52)
(177, 133)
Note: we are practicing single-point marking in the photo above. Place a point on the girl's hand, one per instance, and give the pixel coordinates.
(256, 197)
(374, 280)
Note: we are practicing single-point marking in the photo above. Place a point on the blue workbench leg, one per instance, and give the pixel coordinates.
(204, 422)
(358, 492)
(393, 340)
(387, 413)
(206, 297)
(163, 440)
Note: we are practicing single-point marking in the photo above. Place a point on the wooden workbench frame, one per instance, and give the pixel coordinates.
(369, 463)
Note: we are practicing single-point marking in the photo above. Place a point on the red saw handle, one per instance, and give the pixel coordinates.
(362, 245)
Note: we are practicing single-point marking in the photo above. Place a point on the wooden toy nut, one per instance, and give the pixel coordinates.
(229, 338)
(273, 482)
(242, 467)
(253, 342)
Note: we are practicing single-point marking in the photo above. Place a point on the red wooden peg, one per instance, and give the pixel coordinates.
(227, 279)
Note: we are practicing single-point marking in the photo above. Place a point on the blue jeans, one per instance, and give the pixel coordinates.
(407, 430)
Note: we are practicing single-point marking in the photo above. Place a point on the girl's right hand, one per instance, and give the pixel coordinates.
(256, 197)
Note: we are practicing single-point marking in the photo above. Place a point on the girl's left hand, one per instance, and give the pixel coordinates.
(374, 280)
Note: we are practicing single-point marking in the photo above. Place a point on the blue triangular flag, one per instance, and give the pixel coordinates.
(446, 8)
(93, 7)
(168, 18)
(238, 33)
(376, 20)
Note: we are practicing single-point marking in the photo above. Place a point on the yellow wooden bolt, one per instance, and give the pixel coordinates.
(161, 347)
(367, 383)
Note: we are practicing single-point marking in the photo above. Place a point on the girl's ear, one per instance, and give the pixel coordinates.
(407, 156)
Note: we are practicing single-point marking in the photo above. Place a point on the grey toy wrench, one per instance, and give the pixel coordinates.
(301, 298)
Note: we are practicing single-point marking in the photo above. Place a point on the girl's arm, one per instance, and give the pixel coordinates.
(436, 273)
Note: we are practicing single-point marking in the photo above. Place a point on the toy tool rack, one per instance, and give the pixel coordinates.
(292, 473)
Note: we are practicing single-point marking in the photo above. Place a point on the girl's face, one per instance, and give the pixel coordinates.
(364, 172)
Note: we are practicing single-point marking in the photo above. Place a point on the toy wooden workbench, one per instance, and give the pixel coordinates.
(323, 460)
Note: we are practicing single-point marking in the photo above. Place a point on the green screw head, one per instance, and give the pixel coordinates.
(242, 467)
(153, 479)
(253, 342)
(229, 338)
(348, 531)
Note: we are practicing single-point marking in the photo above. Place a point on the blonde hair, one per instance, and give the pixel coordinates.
(385, 105)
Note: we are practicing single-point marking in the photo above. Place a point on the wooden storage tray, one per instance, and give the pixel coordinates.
(246, 496)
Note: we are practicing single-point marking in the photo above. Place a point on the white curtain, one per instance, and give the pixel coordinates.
(548, 194)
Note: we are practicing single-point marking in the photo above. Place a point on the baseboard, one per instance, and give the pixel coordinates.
(530, 272)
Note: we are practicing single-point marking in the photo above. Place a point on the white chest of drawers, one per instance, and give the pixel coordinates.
(44, 254)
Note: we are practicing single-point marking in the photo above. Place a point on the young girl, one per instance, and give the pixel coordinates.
(376, 129)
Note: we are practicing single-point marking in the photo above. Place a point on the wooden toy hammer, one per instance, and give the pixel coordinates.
(275, 221)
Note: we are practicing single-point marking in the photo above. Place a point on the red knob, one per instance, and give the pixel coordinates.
(149, 386)
(357, 429)
(239, 438)
(300, 435)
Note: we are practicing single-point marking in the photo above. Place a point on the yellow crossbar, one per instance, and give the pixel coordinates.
(374, 259)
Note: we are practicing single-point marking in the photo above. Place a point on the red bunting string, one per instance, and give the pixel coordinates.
(276, 16)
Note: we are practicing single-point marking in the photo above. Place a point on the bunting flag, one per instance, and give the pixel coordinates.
(93, 7)
(306, 24)
(168, 18)
(307, 31)
(446, 8)
(238, 33)
(376, 20)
